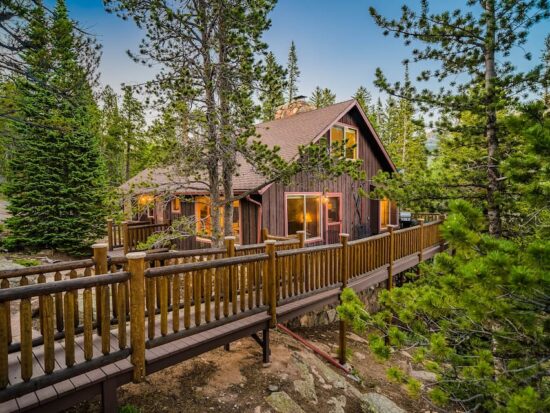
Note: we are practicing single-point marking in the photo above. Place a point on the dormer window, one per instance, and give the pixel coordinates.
(348, 136)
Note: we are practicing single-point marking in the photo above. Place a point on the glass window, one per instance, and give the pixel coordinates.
(333, 209)
(304, 214)
(339, 134)
(204, 223)
(176, 205)
(351, 144)
(384, 213)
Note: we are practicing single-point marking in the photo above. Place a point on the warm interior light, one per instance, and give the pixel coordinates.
(145, 199)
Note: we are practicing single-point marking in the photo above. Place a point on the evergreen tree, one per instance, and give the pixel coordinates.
(272, 87)
(133, 124)
(56, 185)
(112, 137)
(321, 98)
(477, 318)
(468, 44)
(293, 72)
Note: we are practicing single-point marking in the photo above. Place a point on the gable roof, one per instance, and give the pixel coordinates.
(288, 133)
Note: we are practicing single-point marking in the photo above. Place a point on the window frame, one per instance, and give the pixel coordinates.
(346, 127)
(321, 213)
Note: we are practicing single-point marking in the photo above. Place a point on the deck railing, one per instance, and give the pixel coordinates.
(142, 301)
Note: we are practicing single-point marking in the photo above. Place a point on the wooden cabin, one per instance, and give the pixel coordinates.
(322, 209)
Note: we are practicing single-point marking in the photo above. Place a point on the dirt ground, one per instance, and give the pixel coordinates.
(237, 380)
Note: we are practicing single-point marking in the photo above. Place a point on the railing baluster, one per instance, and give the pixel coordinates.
(69, 328)
(25, 317)
(48, 334)
(88, 324)
(176, 303)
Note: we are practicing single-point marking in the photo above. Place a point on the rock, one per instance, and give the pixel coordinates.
(355, 337)
(406, 354)
(423, 375)
(339, 404)
(266, 365)
(306, 389)
(282, 403)
(273, 388)
(258, 409)
(9, 265)
(359, 356)
(378, 403)
(332, 315)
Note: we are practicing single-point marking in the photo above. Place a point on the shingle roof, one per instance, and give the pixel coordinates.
(287, 133)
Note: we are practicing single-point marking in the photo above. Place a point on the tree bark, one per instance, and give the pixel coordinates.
(493, 183)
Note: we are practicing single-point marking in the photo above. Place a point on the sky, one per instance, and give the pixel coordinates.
(339, 46)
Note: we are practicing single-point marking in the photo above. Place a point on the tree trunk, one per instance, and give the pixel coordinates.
(127, 161)
(493, 183)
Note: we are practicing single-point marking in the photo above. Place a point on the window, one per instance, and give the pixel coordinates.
(333, 209)
(348, 136)
(176, 205)
(202, 214)
(304, 214)
(146, 204)
(388, 211)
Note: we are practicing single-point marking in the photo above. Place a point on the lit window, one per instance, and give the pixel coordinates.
(333, 209)
(176, 205)
(304, 214)
(339, 134)
(204, 223)
(384, 212)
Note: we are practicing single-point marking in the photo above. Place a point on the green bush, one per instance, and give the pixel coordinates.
(27, 262)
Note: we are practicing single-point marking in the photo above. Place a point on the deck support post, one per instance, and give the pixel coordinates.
(391, 255)
(136, 266)
(110, 234)
(421, 241)
(101, 267)
(265, 346)
(344, 272)
(233, 287)
(109, 402)
(125, 237)
(271, 281)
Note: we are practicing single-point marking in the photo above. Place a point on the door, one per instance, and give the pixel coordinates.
(333, 213)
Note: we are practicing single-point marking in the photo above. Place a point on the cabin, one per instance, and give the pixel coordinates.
(322, 209)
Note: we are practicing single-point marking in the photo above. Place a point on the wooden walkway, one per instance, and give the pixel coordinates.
(222, 300)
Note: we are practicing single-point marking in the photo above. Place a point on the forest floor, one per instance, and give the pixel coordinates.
(295, 381)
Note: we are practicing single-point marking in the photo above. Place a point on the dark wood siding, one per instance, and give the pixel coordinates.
(250, 229)
(359, 218)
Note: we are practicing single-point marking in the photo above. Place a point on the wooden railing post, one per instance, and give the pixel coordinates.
(391, 254)
(302, 238)
(344, 273)
(110, 234)
(126, 237)
(265, 234)
(101, 267)
(271, 281)
(230, 246)
(136, 266)
(421, 241)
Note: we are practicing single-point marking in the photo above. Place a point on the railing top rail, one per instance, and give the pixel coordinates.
(47, 268)
(307, 250)
(367, 239)
(184, 254)
(248, 247)
(28, 291)
(204, 265)
(404, 230)
(148, 226)
(427, 224)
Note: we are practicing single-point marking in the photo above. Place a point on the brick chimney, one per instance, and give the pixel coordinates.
(297, 105)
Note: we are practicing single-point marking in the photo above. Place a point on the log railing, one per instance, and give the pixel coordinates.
(427, 216)
(116, 231)
(142, 301)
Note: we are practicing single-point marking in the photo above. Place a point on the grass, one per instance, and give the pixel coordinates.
(27, 262)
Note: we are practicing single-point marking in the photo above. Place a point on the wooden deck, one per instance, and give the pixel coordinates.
(311, 286)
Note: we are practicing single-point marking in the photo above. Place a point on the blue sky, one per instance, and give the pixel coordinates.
(338, 44)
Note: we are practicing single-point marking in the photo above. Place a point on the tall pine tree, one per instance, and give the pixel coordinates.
(56, 184)
(272, 87)
(293, 72)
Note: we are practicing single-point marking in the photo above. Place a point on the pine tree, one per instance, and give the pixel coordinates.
(272, 87)
(293, 72)
(56, 185)
(133, 124)
(477, 318)
(364, 98)
(111, 137)
(321, 98)
(468, 43)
